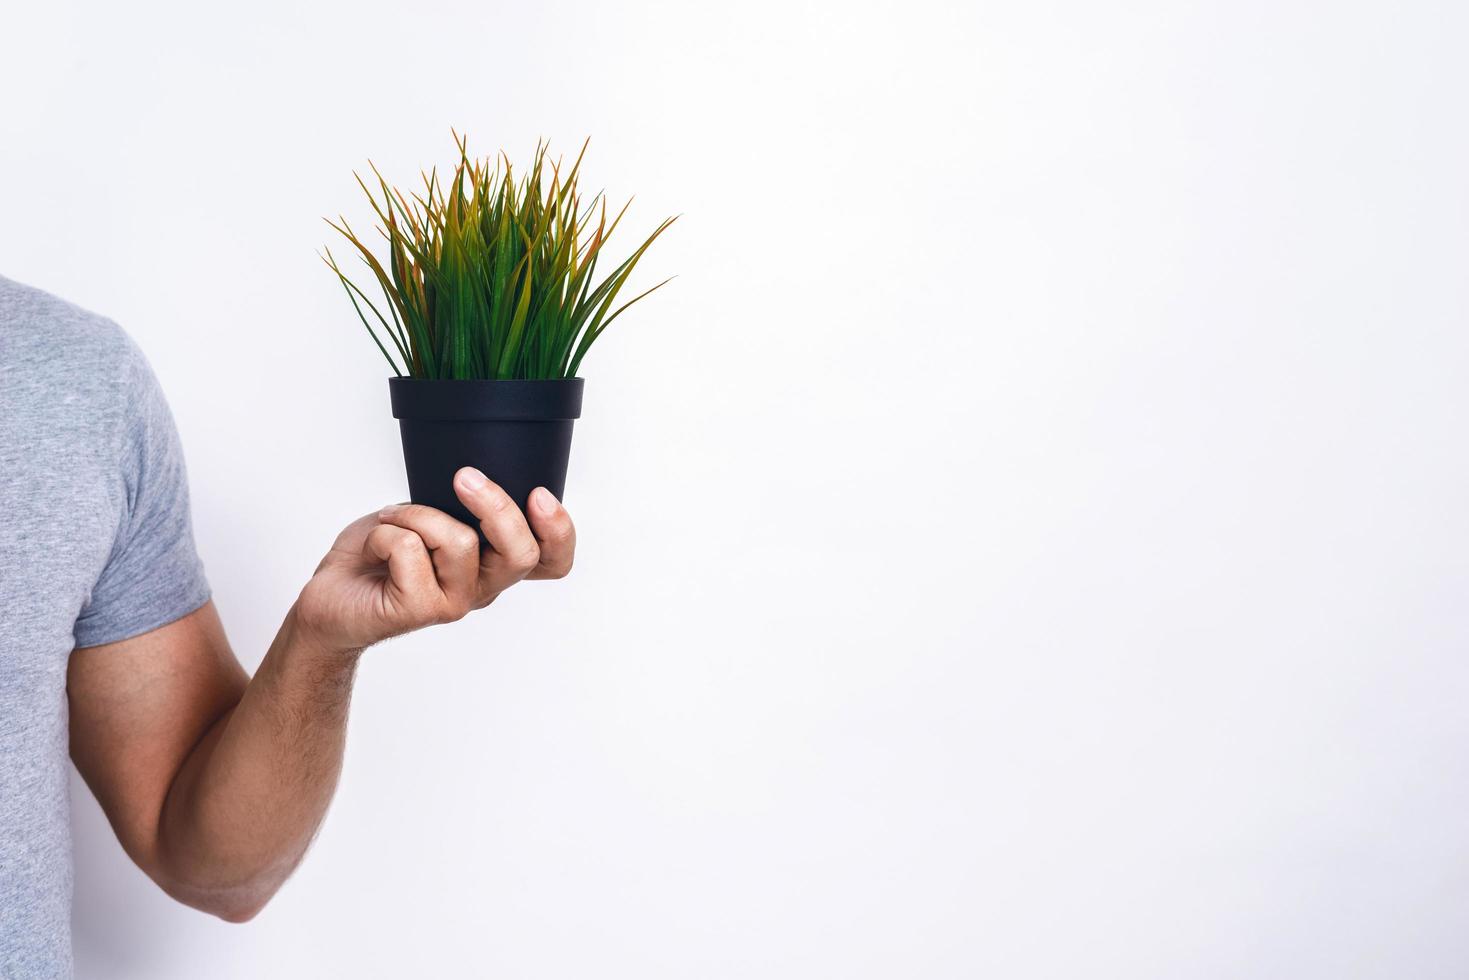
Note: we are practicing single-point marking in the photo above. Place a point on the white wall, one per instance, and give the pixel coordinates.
(1028, 540)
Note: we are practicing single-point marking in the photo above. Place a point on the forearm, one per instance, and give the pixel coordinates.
(247, 802)
(215, 783)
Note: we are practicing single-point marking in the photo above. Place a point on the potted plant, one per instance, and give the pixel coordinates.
(490, 301)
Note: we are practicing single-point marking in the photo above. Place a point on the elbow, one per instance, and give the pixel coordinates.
(232, 885)
(238, 913)
(237, 904)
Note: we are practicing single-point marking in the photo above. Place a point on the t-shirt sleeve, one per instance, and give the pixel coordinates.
(153, 575)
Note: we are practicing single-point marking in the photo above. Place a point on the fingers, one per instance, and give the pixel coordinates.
(555, 532)
(409, 569)
(453, 546)
(513, 552)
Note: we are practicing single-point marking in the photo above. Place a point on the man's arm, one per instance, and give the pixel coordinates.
(214, 784)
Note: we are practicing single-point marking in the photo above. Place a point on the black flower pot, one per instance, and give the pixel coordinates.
(518, 433)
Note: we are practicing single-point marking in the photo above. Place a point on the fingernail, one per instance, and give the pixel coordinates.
(472, 479)
(389, 511)
(545, 501)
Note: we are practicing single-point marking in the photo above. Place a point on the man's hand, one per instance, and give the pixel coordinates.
(410, 566)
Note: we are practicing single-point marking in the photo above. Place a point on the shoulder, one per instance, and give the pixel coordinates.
(55, 348)
(72, 383)
(49, 329)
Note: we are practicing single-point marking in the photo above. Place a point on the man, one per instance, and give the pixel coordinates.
(214, 783)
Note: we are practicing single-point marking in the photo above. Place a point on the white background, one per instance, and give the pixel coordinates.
(1028, 540)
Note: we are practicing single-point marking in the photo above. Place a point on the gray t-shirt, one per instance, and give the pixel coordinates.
(95, 547)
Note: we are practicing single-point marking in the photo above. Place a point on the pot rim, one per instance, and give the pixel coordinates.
(486, 399)
(408, 379)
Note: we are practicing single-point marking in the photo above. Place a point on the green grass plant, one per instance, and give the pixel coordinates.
(487, 276)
